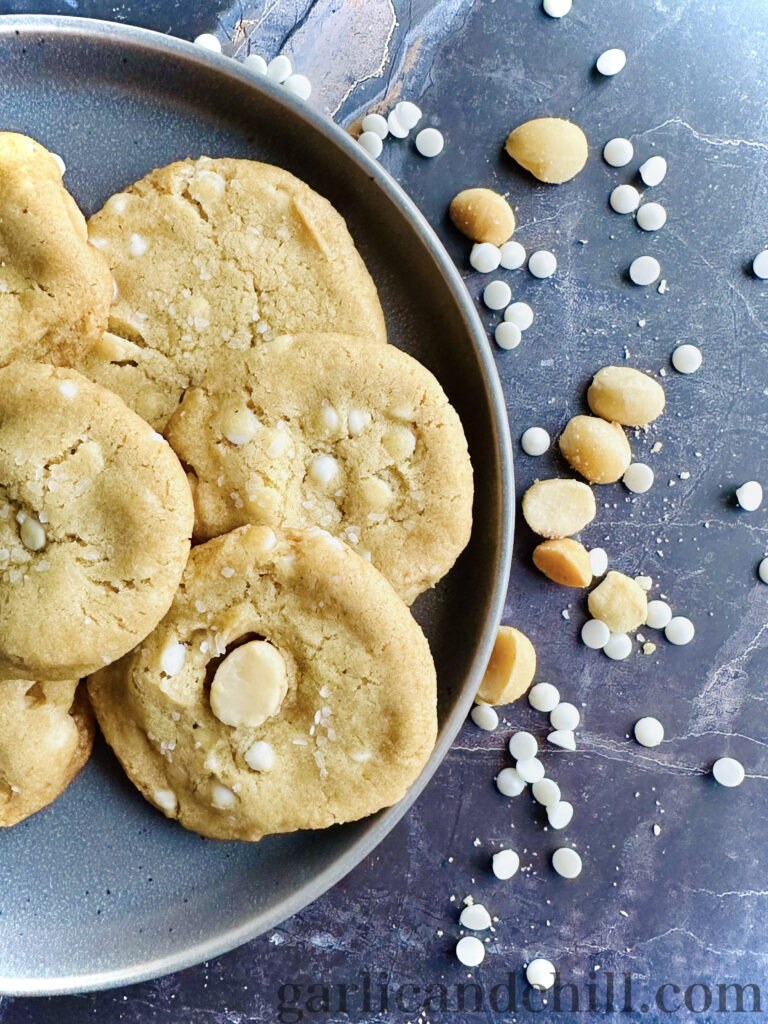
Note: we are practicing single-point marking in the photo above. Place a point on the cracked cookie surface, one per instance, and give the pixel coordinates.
(95, 523)
(55, 289)
(215, 256)
(331, 431)
(346, 721)
(46, 736)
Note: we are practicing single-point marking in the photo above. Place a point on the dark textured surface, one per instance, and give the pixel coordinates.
(689, 905)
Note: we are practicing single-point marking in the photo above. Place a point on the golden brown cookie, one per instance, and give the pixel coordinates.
(331, 431)
(288, 687)
(46, 735)
(212, 257)
(55, 289)
(95, 523)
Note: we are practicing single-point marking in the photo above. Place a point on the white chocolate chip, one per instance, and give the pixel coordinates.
(260, 756)
(505, 864)
(172, 659)
(68, 388)
(239, 425)
(249, 685)
(475, 917)
(165, 800)
(329, 418)
(323, 469)
(566, 862)
(470, 951)
(357, 421)
(222, 797)
(399, 442)
(540, 974)
(32, 535)
(376, 493)
(137, 245)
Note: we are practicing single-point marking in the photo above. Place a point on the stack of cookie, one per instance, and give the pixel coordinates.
(231, 386)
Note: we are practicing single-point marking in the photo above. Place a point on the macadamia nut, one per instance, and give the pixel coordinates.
(626, 396)
(619, 602)
(249, 685)
(483, 215)
(564, 561)
(558, 508)
(511, 668)
(597, 449)
(552, 149)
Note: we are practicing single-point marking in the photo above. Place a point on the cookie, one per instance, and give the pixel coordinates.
(95, 523)
(287, 688)
(216, 256)
(331, 431)
(46, 735)
(55, 288)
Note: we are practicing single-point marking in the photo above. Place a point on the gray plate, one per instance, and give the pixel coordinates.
(99, 890)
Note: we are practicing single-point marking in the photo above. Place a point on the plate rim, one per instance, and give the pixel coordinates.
(383, 823)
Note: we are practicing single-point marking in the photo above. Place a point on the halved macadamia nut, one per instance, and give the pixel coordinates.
(511, 669)
(483, 215)
(564, 561)
(597, 449)
(625, 395)
(558, 508)
(619, 602)
(552, 149)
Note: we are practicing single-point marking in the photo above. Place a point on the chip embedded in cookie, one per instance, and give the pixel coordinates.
(55, 288)
(328, 431)
(95, 524)
(287, 688)
(46, 735)
(212, 257)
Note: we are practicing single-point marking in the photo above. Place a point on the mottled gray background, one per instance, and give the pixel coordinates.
(687, 906)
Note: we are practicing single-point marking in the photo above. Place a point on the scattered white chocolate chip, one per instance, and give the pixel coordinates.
(249, 685)
(760, 265)
(595, 634)
(618, 152)
(298, 85)
(564, 716)
(505, 864)
(512, 255)
(475, 917)
(260, 756)
(531, 770)
(485, 258)
(653, 171)
(560, 815)
(762, 570)
(618, 647)
(644, 270)
(429, 142)
(651, 217)
(542, 263)
(172, 659)
(371, 143)
(509, 783)
(255, 63)
(749, 496)
(137, 245)
(507, 335)
(563, 738)
(638, 478)
(396, 128)
(523, 746)
(540, 974)
(497, 295)
(279, 69)
(535, 441)
(659, 615)
(408, 114)
(728, 772)
(649, 732)
(679, 631)
(376, 124)
(520, 314)
(222, 797)
(208, 41)
(68, 388)
(598, 559)
(546, 792)
(557, 8)
(323, 469)
(32, 534)
(611, 62)
(624, 199)
(470, 951)
(566, 862)
(544, 697)
(484, 717)
(686, 358)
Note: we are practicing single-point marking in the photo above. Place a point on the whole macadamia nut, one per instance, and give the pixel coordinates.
(558, 508)
(552, 149)
(619, 602)
(564, 561)
(597, 449)
(626, 396)
(483, 215)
